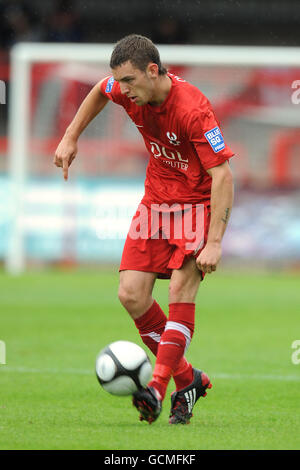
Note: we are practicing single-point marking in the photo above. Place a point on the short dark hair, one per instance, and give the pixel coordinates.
(139, 50)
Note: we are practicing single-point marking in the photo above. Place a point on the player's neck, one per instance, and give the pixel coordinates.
(163, 88)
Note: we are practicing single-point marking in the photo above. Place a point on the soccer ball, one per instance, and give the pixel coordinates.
(123, 367)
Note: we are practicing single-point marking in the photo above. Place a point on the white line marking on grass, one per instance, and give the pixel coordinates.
(289, 378)
(29, 370)
(71, 371)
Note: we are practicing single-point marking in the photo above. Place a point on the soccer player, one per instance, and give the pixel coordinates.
(188, 179)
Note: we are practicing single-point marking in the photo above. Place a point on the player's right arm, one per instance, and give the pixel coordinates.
(88, 110)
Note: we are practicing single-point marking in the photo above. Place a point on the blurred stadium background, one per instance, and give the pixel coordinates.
(54, 322)
(82, 221)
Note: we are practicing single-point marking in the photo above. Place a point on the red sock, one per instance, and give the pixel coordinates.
(184, 374)
(174, 340)
(151, 326)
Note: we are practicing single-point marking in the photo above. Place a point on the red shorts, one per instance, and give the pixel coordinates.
(160, 241)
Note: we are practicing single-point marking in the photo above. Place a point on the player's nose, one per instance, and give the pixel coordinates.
(124, 89)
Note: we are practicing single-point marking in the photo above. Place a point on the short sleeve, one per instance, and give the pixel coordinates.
(111, 89)
(206, 136)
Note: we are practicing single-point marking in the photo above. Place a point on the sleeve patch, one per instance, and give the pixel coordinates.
(109, 84)
(215, 139)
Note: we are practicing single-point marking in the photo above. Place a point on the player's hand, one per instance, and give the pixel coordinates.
(65, 154)
(209, 257)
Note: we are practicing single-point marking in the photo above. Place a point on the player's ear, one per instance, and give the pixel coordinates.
(152, 70)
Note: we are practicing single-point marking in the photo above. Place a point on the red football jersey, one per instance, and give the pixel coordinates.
(183, 139)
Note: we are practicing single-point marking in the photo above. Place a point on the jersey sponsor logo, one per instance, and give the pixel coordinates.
(215, 139)
(109, 84)
(173, 159)
(173, 138)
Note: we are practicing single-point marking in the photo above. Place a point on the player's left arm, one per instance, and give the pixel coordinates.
(222, 191)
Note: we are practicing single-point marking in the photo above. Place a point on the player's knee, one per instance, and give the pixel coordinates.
(181, 291)
(126, 296)
(175, 290)
(131, 299)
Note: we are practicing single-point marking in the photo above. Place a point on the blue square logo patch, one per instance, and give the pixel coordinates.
(215, 139)
(109, 84)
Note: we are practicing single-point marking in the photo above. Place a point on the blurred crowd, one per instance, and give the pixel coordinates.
(262, 22)
(20, 22)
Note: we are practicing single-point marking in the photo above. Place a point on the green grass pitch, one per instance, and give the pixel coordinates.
(55, 323)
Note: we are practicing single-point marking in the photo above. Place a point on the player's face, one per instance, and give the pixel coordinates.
(137, 85)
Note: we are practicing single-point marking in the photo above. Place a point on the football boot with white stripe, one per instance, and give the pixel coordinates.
(183, 401)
